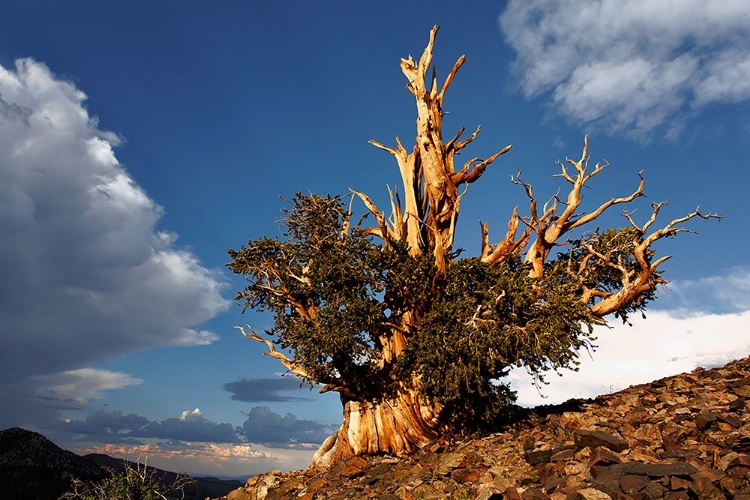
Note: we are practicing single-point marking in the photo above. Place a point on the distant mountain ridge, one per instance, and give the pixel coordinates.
(33, 467)
(22, 448)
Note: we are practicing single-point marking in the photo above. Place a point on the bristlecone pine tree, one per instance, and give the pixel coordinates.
(414, 339)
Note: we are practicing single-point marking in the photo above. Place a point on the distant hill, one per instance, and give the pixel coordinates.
(34, 468)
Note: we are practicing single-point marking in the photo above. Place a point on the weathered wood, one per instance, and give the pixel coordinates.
(396, 426)
(431, 183)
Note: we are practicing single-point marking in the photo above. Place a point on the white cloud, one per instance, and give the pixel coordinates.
(706, 324)
(86, 274)
(727, 80)
(81, 385)
(630, 65)
(191, 415)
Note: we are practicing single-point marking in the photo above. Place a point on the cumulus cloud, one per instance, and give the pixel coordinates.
(258, 390)
(87, 276)
(271, 429)
(630, 65)
(262, 426)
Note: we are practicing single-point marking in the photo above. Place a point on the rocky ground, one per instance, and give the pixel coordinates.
(682, 437)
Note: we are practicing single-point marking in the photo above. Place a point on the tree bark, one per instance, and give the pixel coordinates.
(396, 426)
(432, 186)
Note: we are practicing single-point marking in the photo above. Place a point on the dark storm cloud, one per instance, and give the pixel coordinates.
(191, 426)
(108, 424)
(115, 427)
(263, 426)
(38, 401)
(258, 390)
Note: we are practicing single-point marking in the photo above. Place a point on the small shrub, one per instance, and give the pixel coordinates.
(136, 483)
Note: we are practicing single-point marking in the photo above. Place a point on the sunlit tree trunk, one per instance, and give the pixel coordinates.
(397, 425)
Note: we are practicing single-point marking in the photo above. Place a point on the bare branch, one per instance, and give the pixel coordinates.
(378, 145)
(655, 209)
(636, 283)
(302, 279)
(288, 363)
(629, 215)
(564, 173)
(462, 144)
(426, 59)
(276, 288)
(383, 231)
(451, 75)
(493, 254)
(672, 228)
(465, 177)
(449, 144)
(604, 206)
(551, 228)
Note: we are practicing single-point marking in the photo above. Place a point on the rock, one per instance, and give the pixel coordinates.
(349, 468)
(630, 483)
(678, 483)
(658, 470)
(704, 420)
(653, 490)
(466, 475)
(511, 494)
(593, 439)
(449, 462)
(541, 456)
(489, 493)
(533, 493)
(601, 456)
(593, 494)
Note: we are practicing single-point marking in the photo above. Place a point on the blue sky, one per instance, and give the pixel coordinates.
(141, 140)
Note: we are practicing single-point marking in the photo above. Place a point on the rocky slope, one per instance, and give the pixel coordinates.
(682, 437)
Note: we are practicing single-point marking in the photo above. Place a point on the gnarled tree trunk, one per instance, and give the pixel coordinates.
(397, 426)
